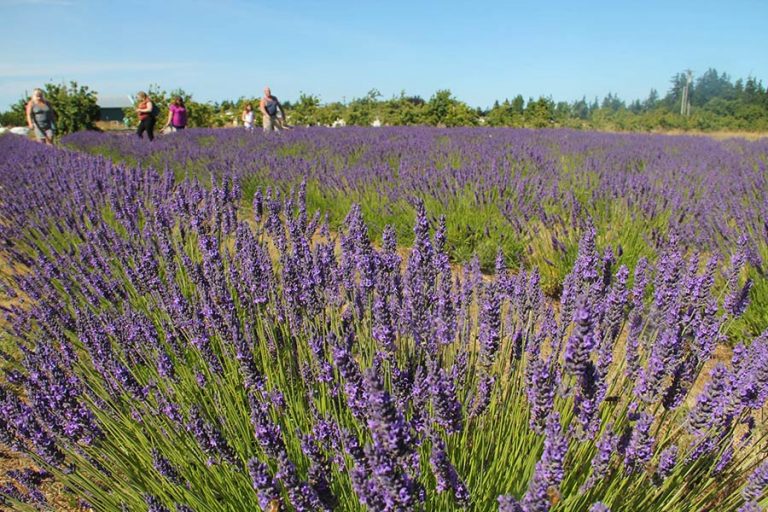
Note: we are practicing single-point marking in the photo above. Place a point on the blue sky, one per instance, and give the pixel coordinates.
(481, 51)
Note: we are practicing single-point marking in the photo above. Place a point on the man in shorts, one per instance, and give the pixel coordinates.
(269, 106)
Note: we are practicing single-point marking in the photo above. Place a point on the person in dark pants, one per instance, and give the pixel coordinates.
(146, 116)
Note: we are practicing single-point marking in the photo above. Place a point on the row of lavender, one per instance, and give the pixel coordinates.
(168, 355)
(711, 189)
(530, 193)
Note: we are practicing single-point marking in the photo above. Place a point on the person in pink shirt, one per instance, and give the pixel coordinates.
(177, 115)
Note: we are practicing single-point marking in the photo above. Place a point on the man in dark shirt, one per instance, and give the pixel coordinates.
(269, 106)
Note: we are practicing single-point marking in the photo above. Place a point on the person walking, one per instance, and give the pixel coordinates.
(177, 115)
(147, 117)
(269, 106)
(248, 117)
(41, 117)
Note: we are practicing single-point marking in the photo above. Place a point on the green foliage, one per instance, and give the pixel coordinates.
(445, 110)
(717, 104)
(16, 116)
(304, 112)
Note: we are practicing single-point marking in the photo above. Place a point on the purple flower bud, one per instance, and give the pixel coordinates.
(446, 475)
(490, 325)
(750, 506)
(165, 468)
(266, 488)
(640, 448)
(445, 403)
(667, 463)
(154, 504)
(601, 462)
(549, 470)
(509, 504)
(756, 483)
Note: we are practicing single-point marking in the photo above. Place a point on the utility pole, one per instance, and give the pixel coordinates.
(685, 104)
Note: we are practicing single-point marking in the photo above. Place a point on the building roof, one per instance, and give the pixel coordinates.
(124, 101)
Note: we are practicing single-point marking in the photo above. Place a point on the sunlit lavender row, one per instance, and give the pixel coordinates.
(529, 193)
(166, 351)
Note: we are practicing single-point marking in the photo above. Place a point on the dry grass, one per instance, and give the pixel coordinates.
(717, 135)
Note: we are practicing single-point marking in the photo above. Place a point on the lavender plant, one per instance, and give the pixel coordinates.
(166, 353)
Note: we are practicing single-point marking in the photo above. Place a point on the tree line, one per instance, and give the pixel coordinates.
(717, 103)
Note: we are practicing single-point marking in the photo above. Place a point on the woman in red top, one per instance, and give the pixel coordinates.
(146, 117)
(177, 115)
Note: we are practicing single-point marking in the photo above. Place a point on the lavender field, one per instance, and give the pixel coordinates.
(386, 320)
(530, 194)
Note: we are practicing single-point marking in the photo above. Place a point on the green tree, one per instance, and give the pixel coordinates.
(16, 116)
(652, 101)
(445, 110)
(580, 109)
(304, 112)
(328, 114)
(711, 85)
(75, 107)
(540, 113)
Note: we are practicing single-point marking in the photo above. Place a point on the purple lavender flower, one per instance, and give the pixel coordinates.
(599, 507)
(549, 470)
(640, 447)
(580, 343)
(392, 443)
(601, 461)
(165, 468)
(419, 280)
(353, 380)
(509, 504)
(750, 506)
(154, 504)
(756, 483)
(267, 432)
(30, 481)
(667, 463)
(319, 470)
(710, 409)
(446, 405)
(266, 488)
(736, 303)
(365, 487)
(302, 496)
(383, 330)
(540, 391)
(445, 473)
(482, 397)
(585, 267)
(258, 206)
(210, 439)
(490, 325)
